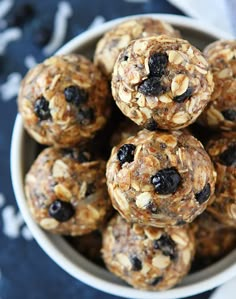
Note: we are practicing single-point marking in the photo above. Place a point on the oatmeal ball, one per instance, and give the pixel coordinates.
(117, 39)
(89, 246)
(214, 240)
(160, 179)
(146, 257)
(221, 111)
(67, 192)
(222, 151)
(161, 82)
(64, 101)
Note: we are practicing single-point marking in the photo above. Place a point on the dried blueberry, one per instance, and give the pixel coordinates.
(90, 189)
(136, 263)
(75, 95)
(85, 116)
(229, 114)
(151, 87)
(204, 194)
(21, 15)
(41, 108)
(186, 95)
(166, 245)
(166, 181)
(228, 157)
(42, 36)
(156, 280)
(61, 210)
(157, 64)
(126, 153)
(152, 125)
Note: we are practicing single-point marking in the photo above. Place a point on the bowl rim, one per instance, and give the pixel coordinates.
(41, 236)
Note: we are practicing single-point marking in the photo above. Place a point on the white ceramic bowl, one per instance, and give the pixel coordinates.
(23, 150)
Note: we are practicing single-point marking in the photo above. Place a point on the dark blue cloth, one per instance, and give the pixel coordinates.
(25, 270)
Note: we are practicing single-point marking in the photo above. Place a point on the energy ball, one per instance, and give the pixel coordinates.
(161, 82)
(64, 101)
(221, 111)
(222, 151)
(160, 179)
(117, 39)
(146, 257)
(214, 240)
(66, 192)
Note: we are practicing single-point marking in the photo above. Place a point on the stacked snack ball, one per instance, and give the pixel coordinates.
(64, 101)
(66, 192)
(161, 82)
(160, 178)
(117, 39)
(146, 257)
(221, 111)
(222, 151)
(214, 240)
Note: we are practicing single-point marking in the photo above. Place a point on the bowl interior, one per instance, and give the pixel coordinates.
(23, 153)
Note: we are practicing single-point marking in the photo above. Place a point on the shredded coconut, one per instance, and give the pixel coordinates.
(63, 13)
(10, 88)
(26, 234)
(8, 36)
(11, 222)
(98, 20)
(5, 6)
(30, 61)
